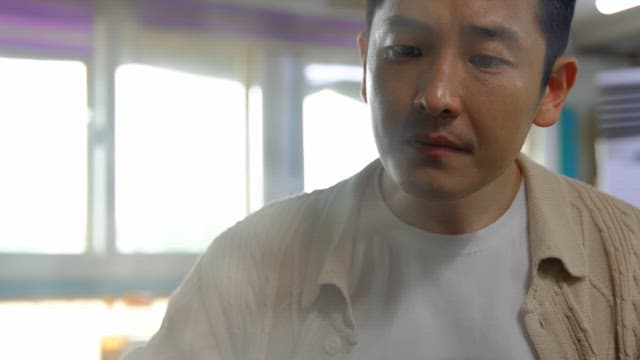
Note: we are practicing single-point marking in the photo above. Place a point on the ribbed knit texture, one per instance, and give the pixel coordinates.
(619, 226)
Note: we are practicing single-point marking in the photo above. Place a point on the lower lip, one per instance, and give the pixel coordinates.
(437, 151)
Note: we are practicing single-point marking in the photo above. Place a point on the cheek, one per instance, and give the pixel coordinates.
(390, 97)
(394, 86)
(390, 102)
(503, 118)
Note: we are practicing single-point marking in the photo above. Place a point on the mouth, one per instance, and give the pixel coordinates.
(438, 145)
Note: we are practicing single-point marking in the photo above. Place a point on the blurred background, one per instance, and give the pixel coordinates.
(133, 132)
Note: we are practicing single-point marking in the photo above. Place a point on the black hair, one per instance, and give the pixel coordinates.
(554, 18)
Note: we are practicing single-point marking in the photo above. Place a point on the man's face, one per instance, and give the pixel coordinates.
(453, 87)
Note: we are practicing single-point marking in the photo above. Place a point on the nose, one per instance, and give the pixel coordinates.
(438, 93)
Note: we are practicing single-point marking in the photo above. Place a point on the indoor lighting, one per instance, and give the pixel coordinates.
(609, 7)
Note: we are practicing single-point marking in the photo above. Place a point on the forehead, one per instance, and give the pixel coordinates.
(518, 15)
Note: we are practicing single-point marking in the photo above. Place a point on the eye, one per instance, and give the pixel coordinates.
(399, 52)
(487, 61)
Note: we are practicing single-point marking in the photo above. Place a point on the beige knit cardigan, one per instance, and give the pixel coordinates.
(275, 285)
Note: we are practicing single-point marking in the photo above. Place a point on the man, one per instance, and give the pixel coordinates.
(452, 245)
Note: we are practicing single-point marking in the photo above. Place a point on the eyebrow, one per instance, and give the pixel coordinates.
(489, 32)
(407, 23)
(498, 32)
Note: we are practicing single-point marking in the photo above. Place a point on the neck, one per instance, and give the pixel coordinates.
(470, 213)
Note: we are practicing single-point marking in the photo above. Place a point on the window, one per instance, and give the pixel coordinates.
(181, 162)
(337, 130)
(181, 172)
(43, 156)
(115, 175)
(181, 177)
(338, 138)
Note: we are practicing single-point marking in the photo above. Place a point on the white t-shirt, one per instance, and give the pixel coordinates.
(420, 295)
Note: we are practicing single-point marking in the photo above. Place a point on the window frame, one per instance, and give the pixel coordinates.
(102, 272)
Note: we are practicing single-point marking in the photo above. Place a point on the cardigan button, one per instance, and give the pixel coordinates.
(332, 345)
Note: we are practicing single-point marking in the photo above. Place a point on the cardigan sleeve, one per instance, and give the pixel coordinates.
(218, 312)
(194, 326)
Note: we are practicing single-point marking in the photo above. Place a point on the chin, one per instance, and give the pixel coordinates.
(424, 186)
(432, 181)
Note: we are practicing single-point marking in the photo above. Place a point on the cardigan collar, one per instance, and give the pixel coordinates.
(554, 231)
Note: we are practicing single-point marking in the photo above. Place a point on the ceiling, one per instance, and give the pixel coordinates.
(617, 34)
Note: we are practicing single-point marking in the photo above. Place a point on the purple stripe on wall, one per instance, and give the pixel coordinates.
(51, 11)
(44, 23)
(248, 21)
(191, 15)
(43, 47)
(43, 17)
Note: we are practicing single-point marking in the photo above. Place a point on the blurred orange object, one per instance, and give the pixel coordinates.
(112, 347)
(138, 299)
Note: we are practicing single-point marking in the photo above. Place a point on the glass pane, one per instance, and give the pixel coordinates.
(180, 159)
(43, 156)
(338, 138)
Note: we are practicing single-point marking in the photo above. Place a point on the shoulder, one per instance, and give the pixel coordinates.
(607, 230)
(263, 235)
(610, 230)
(289, 234)
(616, 225)
(607, 210)
(572, 212)
(292, 223)
(274, 224)
(222, 305)
(557, 191)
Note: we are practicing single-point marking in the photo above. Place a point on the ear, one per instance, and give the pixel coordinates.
(563, 76)
(363, 46)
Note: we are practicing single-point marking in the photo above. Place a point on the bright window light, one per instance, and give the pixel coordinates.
(76, 329)
(609, 7)
(181, 169)
(43, 156)
(338, 138)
